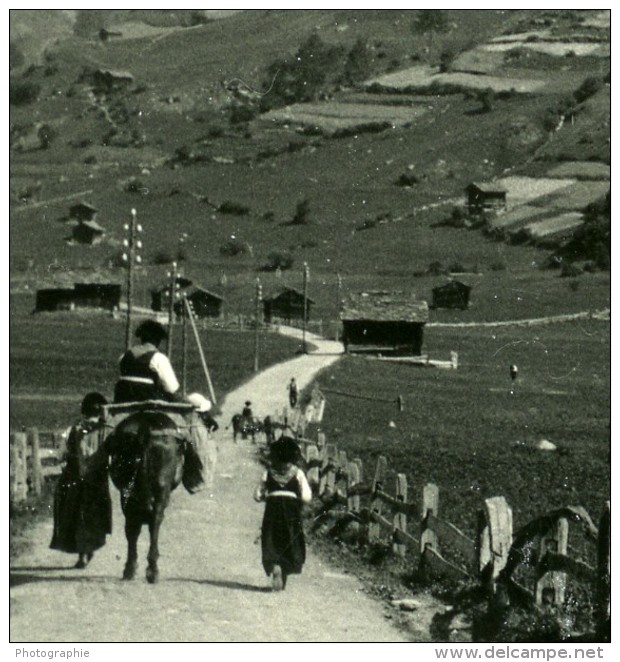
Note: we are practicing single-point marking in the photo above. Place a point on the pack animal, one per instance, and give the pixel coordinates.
(245, 427)
(146, 465)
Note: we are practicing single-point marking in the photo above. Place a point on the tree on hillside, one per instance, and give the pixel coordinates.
(358, 64)
(430, 20)
(302, 77)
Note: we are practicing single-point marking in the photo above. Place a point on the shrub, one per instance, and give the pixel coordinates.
(487, 99)
(234, 247)
(302, 213)
(436, 268)
(407, 179)
(47, 135)
(358, 63)
(163, 257)
(497, 265)
(23, 93)
(278, 260)
(456, 268)
(570, 270)
(240, 113)
(590, 86)
(234, 208)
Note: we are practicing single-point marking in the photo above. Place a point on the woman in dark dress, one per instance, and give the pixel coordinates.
(82, 504)
(285, 489)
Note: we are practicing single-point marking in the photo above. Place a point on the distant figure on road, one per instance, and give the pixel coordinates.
(292, 393)
(82, 504)
(514, 372)
(246, 412)
(284, 489)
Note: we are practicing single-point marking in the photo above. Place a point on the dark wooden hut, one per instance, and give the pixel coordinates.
(86, 232)
(54, 298)
(160, 297)
(97, 295)
(204, 303)
(287, 306)
(454, 294)
(82, 211)
(384, 323)
(485, 197)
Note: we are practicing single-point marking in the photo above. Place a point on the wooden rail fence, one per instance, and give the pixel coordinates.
(34, 455)
(353, 496)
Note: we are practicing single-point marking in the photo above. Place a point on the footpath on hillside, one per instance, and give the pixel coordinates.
(212, 586)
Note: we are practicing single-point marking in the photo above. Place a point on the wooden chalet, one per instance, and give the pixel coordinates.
(286, 306)
(160, 297)
(86, 232)
(483, 197)
(107, 80)
(454, 294)
(204, 303)
(82, 211)
(104, 296)
(384, 323)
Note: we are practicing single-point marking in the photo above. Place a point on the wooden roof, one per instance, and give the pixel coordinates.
(196, 289)
(287, 290)
(385, 307)
(487, 187)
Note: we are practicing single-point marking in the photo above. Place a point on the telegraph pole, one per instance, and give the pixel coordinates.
(259, 297)
(131, 244)
(306, 277)
(338, 295)
(173, 291)
(184, 364)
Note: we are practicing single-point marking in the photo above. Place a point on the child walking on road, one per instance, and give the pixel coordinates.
(285, 489)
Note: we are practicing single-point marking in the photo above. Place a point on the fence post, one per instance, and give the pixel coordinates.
(328, 473)
(494, 540)
(430, 506)
(312, 456)
(603, 578)
(551, 587)
(376, 505)
(355, 476)
(35, 461)
(400, 519)
(60, 442)
(18, 472)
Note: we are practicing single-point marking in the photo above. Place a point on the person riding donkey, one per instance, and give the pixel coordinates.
(147, 374)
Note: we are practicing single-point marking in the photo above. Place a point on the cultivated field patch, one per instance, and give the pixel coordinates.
(581, 170)
(420, 77)
(521, 190)
(332, 116)
(556, 48)
(576, 196)
(524, 213)
(555, 225)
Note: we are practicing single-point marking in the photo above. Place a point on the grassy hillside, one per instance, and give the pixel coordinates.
(171, 132)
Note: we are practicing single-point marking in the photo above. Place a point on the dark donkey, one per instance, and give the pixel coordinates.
(146, 451)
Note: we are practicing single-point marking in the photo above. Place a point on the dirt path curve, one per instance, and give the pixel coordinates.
(212, 585)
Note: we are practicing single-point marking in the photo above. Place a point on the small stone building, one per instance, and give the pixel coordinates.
(384, 323)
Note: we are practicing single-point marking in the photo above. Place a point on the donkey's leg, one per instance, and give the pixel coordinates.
(132, 533)
(152, 571)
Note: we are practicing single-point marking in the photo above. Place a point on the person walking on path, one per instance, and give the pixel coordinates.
(292, 393)
(82, 504)
(284, 489)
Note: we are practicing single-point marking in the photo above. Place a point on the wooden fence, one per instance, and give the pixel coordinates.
(34, 455)
(354, 496)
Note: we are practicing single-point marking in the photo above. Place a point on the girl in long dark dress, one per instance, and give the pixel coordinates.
(285, 489)
(82, 504)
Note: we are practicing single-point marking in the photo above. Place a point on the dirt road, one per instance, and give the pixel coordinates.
(212, 585)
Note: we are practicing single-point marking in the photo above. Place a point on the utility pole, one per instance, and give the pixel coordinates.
(184, 363)
(338, 295)
(306, 277)
(173, 292)
(131, 244)
(259, 297)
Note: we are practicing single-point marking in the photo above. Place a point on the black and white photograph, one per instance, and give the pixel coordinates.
(310, 330)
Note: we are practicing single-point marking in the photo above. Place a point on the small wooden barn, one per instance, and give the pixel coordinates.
(86, 232)
(384, 323)
(105, 296)
(160, 297)
(107, 80)
(82, 211)
(287, 305)
(204, 303)
(454, 294)
(483, 197)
